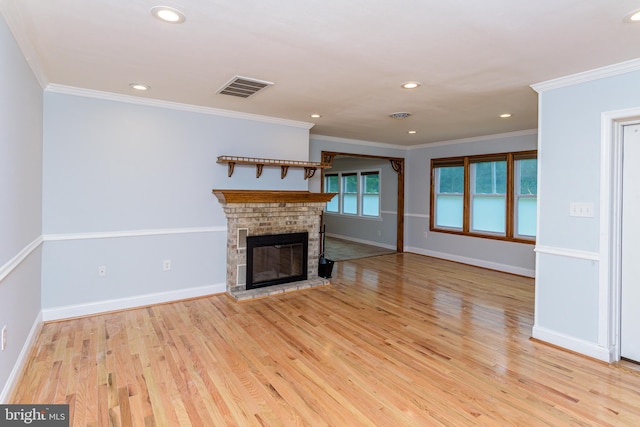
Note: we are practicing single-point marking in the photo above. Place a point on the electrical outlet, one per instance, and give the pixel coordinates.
(102, 271)
(166, 265)
(4, 337)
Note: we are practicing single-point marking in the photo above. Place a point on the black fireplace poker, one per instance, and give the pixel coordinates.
(325, 265)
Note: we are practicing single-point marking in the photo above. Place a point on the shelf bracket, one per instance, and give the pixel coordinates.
(259, 170)
(231, 165)
(283, 171)
(309, 172)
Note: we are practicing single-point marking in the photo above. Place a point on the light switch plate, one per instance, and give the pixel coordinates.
(584, 210)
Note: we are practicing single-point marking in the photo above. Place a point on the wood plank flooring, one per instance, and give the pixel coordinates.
(397, 340)
(342, 250)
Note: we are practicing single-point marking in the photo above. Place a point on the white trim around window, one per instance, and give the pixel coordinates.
(360, 199)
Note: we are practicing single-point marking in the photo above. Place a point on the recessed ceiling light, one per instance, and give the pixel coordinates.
(410, 85)
(412, 132)
(139, 86)
(633, 16)
(316, 116)
(505, 115)
(168, 14)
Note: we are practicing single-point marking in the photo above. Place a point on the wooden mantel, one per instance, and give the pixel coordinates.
(271, 196)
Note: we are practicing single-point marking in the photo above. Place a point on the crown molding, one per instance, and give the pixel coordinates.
(110, 96)
(496, 136)
(428, 144)
(587, 76)
(356, 142)
(16, 24)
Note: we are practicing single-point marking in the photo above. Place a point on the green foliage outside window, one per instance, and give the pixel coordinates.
(350, 183)
(371, 183)
(332, 184)
(491, 177)
(451, 179)
(528, 176)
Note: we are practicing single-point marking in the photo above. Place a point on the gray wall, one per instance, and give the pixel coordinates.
(20, 205)
(517, 258)
(511, 257)
(574, 307)
(128, 186)
(376, 232)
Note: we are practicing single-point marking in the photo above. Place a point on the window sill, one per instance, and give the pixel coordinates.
(485, 236)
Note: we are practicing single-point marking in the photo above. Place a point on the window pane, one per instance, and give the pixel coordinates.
(449, 199)
(450, 179)
(527, 208)
(526, 191)
(371, 205)
(331, 184)
(448, 211)
(490, 177)
(484, 209)
(370, 194)
(528, 176)
(488, 213)
(350, 204)
(350, 183)
(332, 205)
(371, 183)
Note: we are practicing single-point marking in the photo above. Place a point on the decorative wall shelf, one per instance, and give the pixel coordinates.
(309, 167)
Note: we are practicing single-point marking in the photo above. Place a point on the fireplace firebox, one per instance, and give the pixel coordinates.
(276, 258)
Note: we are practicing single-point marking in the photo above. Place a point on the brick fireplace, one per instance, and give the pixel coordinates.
(263, 212)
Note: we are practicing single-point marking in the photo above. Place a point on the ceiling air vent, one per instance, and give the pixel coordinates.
(400, 115)
(243, 87)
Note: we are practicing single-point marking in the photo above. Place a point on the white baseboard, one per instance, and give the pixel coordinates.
(97, 307)
(474, 261)
(574, 344)
(364, 242)
(6, 391)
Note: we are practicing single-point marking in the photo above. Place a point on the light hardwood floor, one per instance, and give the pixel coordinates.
(340, 249)
(397, 340)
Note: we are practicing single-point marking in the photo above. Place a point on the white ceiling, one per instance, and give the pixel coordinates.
(344, 59)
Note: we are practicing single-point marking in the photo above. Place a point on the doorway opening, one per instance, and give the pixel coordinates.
(611, 230)
(397, 165)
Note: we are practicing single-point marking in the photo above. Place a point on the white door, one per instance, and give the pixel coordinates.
(630, 294)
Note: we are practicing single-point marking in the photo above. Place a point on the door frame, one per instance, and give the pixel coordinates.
(398, 165)
(610, 272)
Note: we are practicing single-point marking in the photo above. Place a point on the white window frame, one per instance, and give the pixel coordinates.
(361, 179)
(337, 195)
(343, 193)
(359, 193)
